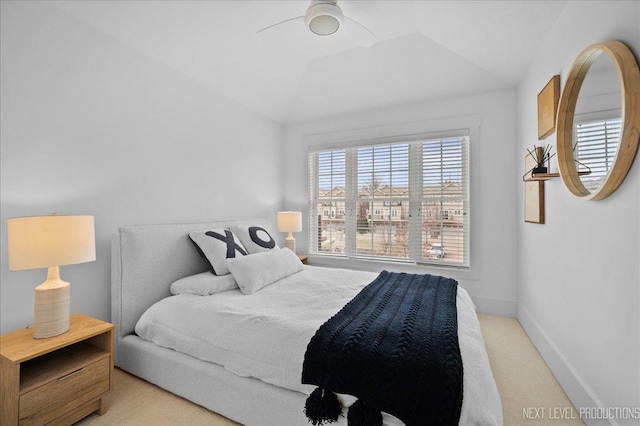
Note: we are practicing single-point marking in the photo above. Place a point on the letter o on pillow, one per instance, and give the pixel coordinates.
(255, 237)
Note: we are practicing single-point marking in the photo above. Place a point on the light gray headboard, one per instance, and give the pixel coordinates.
(146, 259)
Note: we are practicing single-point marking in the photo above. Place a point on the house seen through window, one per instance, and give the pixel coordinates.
(392, 201)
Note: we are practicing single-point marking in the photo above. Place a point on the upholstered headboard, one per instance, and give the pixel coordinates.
(146, 259)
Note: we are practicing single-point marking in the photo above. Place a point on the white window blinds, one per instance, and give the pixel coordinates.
(445, 178)
(596, 144)
(404, 201)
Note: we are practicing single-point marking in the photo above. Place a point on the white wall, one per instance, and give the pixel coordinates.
(92, 126)
(579, 295)
(492, 280)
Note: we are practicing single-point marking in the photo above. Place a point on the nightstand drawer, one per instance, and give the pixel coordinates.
(53, 399)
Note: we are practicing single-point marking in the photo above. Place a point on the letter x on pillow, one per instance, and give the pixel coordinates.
(216, 246)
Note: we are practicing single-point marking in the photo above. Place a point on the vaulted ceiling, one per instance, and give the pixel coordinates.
(425, 50)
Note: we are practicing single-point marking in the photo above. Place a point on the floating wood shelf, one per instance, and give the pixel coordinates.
(546, 176)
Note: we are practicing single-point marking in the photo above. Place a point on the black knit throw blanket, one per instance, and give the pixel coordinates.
(395, 348)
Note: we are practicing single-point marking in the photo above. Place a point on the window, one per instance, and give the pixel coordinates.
(595, 150)
(396, 197)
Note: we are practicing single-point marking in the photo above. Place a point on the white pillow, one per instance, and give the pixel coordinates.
(204, 284)
(216, 246)
(255, 239)
(258, 270)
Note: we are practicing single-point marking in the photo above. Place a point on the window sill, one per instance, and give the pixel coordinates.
(373, 265)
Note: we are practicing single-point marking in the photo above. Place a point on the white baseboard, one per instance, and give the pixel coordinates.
(572, 384)
(501, 308)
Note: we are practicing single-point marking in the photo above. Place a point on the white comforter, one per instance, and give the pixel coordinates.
(265, 335)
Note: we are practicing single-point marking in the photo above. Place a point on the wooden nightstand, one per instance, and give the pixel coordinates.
(57, 380)
(303, 258)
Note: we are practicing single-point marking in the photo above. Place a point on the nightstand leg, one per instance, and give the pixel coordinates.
(9, 389)
(103, 407)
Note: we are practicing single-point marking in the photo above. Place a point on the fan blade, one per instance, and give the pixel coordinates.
(359, 32)
(279, 23)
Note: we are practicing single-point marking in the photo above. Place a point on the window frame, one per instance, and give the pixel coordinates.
(442, 126)
(416, 254)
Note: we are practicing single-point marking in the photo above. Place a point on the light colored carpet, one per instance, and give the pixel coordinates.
(527, 389)
(530, 393)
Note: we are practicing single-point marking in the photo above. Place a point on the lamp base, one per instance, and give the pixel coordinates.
(51, 306)
(290, 243)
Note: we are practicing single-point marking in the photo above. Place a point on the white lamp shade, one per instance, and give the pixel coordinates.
(289, 221)
(45, 241)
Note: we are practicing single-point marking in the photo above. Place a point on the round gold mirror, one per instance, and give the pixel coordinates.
(599, 122)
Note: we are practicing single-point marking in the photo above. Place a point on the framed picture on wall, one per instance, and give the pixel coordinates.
(533, 195)
(548, 107)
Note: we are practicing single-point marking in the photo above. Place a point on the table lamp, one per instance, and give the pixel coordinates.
(48, 242)
(290, 222)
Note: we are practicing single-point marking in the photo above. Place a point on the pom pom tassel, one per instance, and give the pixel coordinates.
(361, 414)
(322, 407)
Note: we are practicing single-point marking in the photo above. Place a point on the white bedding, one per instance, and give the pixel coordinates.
(265, 335)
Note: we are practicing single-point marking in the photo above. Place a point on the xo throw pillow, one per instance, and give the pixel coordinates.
(216, 246)
(255, 239)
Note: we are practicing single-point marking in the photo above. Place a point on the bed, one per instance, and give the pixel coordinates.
(250, 376)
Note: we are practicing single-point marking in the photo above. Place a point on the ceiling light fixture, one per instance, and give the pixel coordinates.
(324, 17)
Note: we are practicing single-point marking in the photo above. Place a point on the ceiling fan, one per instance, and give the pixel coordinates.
(325, 17)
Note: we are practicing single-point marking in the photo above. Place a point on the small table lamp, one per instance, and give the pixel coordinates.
(290, 222)
(48, 242)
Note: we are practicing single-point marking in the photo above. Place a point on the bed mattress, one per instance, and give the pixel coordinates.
(265, 335)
